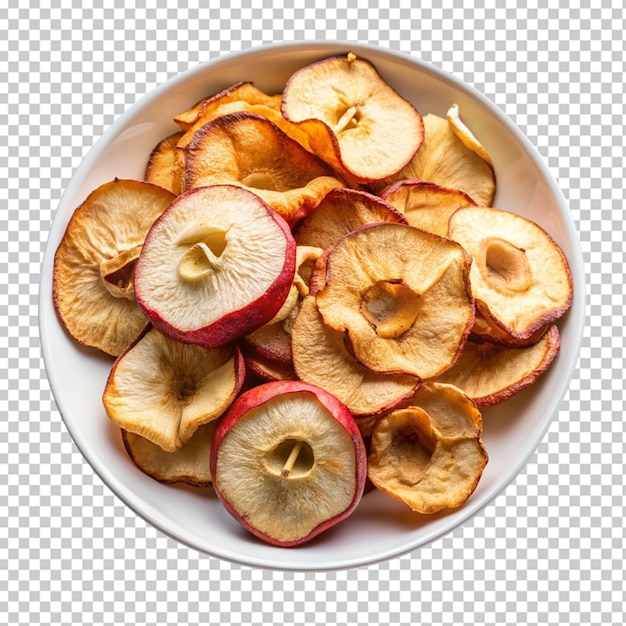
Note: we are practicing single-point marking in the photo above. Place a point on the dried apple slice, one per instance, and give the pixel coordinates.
(468, 138)
(204, 111)
(445, 160)
(356, 121)
(189, 464)
(426, 205)
(320, 357)
(92, 286)
(341, 211)
(520, 277)
(216, 265)
(429, 455)
(165, 165)
(288, 462)
(164, 390)
(248, 150)
(490, 374)
(403, 297)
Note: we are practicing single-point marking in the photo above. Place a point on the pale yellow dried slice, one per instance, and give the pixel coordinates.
(166, 167)
(356, 121)
(403, 297)
(462, 131)
(445, 160)
(429, 455)
(250, 151)
(92, 286)
(520, 277)
(189, 464)
(164, 390)
(320, 357)
(342, 211)
(426, 205)
(490, 374)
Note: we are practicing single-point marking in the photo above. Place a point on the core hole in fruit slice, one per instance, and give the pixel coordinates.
(202, 257)
(504, 265)
(118, 272)
(292, 458)
(390, 307)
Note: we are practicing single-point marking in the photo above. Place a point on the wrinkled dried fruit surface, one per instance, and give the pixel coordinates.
(164, 390)
(446, 161)
(94, 264)
(520, 277)
(429, 455)
(402, 296)
(356, 121)
(490, 373)
(189, 464)
(320, 357)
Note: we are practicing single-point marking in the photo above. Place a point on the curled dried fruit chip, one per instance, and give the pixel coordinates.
(489, 373)
(402, 296)
(250, 151)
(445, 160)
(93, 290)
(356, 121)
(520, 277)
(189, 464)
(340, 212)
(426, 205)
(320, 357)
(164, 390)
(429, 454)
(166, 167)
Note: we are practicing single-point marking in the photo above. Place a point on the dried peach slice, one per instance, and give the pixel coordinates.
(489, 373)
(340, 212)
(165, 165)
(426, 205)
(402, 295)
(429, 455)
(92, 287)
(164, 390)
(520, 277)
(250, 151)
(321, 357)
(445, 160)
(189, 464)
(356, 121)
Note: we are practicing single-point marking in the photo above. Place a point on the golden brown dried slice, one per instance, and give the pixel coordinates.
(189, 464)
(94, 264)
(248, 150)
(342, 211)
(356, 121)
(166, 167)
(204, 111)
(520, 277)
(430, 454)
(403, 297)
(446, 161)
(490, 374)
(426, 205)
(164, 390)
(320, 357)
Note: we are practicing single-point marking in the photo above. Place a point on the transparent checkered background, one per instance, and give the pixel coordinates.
(549, 550)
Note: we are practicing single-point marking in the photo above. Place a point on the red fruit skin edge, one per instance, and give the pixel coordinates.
(264, 393)
(243, 321)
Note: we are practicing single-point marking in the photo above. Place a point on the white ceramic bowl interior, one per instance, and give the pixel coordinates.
(380, 528)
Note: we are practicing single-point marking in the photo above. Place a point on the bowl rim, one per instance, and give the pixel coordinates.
(576, 314)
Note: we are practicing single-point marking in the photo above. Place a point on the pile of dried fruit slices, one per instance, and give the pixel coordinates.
(310, 289)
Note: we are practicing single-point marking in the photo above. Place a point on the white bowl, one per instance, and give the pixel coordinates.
(380, 528)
